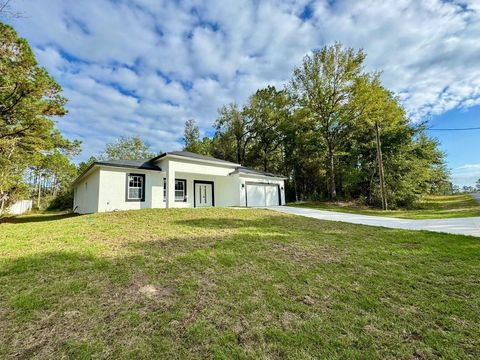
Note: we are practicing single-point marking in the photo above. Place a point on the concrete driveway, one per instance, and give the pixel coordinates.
(462, 226)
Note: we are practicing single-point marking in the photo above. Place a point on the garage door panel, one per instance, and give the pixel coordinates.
(259, 195)
(255, 195)
(271, 195)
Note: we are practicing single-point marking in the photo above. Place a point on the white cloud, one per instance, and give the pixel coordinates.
(145, 66)
(466, 174)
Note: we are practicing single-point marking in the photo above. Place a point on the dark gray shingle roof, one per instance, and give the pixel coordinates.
(132, 164)
(136, 164)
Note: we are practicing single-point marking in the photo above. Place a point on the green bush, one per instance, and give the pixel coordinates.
(63, 201)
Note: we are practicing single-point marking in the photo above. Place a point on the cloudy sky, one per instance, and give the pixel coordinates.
(145, 66)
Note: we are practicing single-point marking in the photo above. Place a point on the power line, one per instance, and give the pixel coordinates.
(458, 129)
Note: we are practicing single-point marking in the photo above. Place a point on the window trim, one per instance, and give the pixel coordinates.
(165, 189)
(184, 190)
(127, 186)
(165, 182)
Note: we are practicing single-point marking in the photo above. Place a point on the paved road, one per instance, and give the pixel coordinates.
(463, 226)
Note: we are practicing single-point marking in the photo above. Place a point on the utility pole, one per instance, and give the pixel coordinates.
(380, 168)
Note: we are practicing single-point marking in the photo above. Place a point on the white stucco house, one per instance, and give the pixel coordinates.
(177, 179)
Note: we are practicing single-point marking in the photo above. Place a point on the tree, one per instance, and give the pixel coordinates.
(379, 109)
(334, 129)
(267, 110)
(84, 165)
(192, 142)
(233, 133)
(51, 175)
(127, 148)
(324, 84)
(191, 137)
(29, 98)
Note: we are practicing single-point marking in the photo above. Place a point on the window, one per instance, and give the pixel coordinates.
(180, 189)
(135, 187)
(164, 189)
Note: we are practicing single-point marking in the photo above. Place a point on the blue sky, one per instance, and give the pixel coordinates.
(144, 67)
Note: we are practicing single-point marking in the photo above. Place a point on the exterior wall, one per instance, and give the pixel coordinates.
(113, 183)
(192, 167)
(226, 189)
(86, 192)
(190, 170)
(246, 178)
(105, 188)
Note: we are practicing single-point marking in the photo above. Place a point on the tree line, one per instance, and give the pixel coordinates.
(335, 131)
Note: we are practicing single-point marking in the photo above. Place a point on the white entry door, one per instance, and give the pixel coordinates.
(260, 195)
(203, 195)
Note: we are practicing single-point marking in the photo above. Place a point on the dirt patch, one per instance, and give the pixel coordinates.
(153, 291)
(297, 254)
(203, 298)
(412, 336)
(308, 300)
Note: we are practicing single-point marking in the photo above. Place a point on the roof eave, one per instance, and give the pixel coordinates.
(101, 163)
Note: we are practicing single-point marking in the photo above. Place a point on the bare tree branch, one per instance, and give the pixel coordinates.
(7, 12)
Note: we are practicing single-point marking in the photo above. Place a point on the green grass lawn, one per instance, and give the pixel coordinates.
(430, 207)
(227, 283)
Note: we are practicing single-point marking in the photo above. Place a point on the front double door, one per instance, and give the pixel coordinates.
(204, 194)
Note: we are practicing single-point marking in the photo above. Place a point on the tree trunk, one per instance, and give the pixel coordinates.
(2, 199)
(265, 160)
(295, 184)
(239, 151)
(333, 190)
(380, 168)
(39, 191)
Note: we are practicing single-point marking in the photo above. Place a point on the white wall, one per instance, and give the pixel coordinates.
(113, 182)
(85, 194)
(226, 189)
(192, 167)
(190, 170)
(20, 207)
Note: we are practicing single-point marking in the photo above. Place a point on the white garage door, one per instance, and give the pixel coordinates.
(262, 195)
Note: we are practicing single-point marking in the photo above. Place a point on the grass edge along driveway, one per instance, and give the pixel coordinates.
(430, 207)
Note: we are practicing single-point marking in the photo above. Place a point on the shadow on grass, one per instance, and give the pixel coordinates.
(35, 218)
